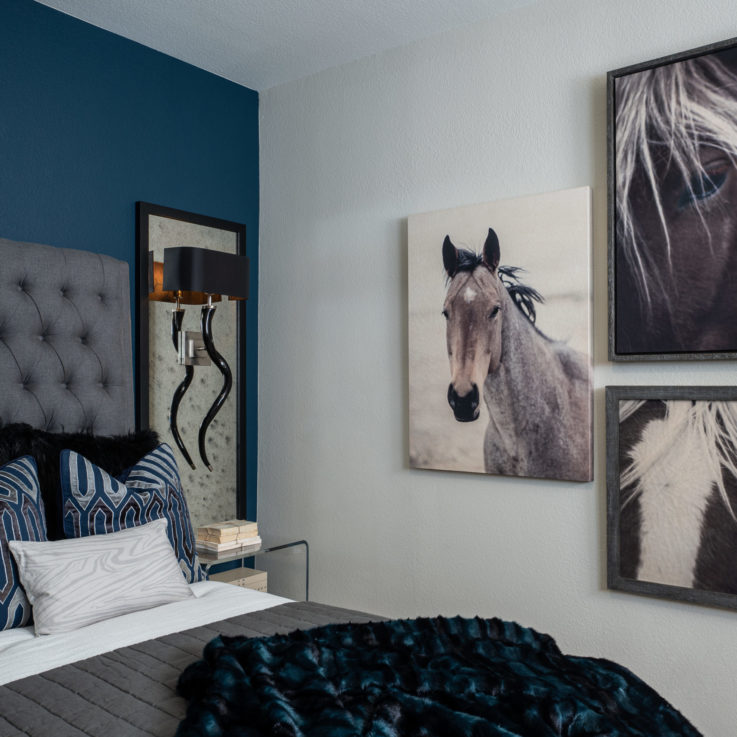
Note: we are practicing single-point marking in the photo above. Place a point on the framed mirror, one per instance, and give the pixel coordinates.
(221, 493)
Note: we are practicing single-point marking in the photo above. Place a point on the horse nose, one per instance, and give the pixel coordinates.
(466, 407)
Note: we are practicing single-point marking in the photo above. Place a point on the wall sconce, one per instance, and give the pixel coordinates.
(200, 276)
(157, 293)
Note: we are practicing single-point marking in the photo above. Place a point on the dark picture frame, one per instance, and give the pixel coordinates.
(143, 280)
(655, 539)
(664, 198)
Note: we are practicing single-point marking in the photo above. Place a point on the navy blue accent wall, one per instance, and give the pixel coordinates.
(91, 122)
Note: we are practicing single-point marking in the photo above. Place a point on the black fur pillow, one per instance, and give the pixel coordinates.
(114, 454)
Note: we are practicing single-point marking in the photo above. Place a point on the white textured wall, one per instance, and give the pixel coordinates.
(498, 110)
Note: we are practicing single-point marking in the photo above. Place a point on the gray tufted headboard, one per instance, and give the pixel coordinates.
(65, 340)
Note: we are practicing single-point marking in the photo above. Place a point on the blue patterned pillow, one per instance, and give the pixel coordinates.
(22, 518)
(94, 503)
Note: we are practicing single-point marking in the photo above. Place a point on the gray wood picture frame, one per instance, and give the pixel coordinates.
(616, 348)
(615, 578)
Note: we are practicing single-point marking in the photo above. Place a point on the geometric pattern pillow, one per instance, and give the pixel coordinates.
(21, 518)
(95, 503)
(113, 453)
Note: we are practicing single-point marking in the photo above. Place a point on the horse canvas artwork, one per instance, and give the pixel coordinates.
(673, 206)
(500, 367)
(672, 490)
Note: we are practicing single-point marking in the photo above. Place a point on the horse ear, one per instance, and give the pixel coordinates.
(491, 250)
(450, 257)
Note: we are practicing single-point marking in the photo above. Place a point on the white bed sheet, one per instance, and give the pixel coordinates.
(23, 654)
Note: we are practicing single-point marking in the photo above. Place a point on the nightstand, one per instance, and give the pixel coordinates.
(208, 560)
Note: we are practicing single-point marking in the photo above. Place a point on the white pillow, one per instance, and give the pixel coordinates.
(73, 583)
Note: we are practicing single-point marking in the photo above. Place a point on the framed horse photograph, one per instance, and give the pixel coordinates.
(672, 492)
(499, 304)
(672, 170)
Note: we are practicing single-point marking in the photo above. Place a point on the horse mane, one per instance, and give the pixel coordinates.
(522, 295)
(711, 425)
(667, 113)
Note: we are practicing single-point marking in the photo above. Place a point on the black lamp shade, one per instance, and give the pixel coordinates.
(204, 270)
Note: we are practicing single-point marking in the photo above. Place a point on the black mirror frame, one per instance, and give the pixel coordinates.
(141, 363)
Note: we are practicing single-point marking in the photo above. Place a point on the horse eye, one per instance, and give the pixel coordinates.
(494, 312)
(445, 314)
(703, 186)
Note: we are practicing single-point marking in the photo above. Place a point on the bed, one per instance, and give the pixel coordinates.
(87, 688)
(116, 655)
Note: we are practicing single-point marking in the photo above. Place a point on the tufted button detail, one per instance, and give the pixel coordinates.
(53, 280)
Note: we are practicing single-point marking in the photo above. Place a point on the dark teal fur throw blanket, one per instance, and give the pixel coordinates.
(420, 678)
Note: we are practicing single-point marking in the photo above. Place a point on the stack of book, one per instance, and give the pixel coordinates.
(231, 536)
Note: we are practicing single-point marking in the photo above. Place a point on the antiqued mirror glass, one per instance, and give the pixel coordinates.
(211, 495)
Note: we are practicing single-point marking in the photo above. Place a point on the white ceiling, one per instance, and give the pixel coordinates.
(262, 43)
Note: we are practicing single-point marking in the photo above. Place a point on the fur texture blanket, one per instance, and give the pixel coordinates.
(426, 677)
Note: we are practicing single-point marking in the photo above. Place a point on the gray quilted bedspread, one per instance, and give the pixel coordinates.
(131, 692)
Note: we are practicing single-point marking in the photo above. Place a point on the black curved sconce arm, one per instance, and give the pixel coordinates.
(208, 311)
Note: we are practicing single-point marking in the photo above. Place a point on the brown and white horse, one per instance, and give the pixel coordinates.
(678, 493)
(538, 391)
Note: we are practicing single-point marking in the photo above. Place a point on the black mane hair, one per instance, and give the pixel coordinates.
(522, 295)
(467, 260)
